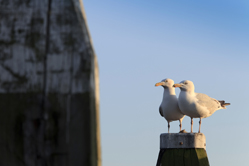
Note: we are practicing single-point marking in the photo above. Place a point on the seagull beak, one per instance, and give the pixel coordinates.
(177, 85)
(159, 84)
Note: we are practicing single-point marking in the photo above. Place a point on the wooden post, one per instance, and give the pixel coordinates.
(182, 149)
(48, 85)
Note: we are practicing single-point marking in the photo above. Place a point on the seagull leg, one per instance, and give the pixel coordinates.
(180, 124)
(200, 125)
(192, 125)
(168, 127)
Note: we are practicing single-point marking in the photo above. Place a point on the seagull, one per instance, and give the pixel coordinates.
(197, 105)
(169, 108)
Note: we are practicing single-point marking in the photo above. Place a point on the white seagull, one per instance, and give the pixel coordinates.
(169, 108)
(197, 105)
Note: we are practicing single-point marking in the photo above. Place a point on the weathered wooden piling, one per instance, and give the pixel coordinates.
(48, 85)
(182, 149)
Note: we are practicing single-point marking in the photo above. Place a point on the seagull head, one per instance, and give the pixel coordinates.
(166, 83)
(185, 85)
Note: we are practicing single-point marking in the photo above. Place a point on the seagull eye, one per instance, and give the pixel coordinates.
(185, 83)
(166, 81)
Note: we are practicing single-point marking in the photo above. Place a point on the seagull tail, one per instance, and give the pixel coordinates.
(223, 104)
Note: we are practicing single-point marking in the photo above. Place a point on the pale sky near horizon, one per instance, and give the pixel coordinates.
(140, 42)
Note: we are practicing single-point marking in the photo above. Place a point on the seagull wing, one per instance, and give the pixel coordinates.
(210, 103)
(223, 104)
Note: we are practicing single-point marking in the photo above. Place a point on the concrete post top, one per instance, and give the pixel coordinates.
(182, 140)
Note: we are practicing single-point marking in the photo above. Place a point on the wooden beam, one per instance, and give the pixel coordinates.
(177, 149)
(48, 85)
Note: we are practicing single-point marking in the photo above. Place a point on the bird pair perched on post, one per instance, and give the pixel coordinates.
(194, 105)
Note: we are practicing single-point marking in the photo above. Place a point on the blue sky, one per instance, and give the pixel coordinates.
(139, 43)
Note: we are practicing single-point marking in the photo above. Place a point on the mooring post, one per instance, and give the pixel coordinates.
(178, 149)
(49, 94)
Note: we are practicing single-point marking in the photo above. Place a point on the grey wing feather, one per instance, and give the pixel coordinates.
(161, 111)
(223, 104)
(210, 103)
